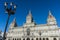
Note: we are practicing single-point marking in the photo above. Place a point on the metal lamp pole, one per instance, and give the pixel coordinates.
(10, 11)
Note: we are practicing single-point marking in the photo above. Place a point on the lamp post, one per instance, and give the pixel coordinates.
(10, 11)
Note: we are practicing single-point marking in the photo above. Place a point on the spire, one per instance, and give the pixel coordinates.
(29, 13)
(29, 18)
(51, 19)
(13, 24)
(50, 12)
(14, 21)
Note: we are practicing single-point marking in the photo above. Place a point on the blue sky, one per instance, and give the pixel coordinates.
(39, 10)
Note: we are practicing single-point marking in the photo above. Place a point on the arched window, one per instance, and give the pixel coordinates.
(43, 38)
(28, 31)
(47, 39)
(39, 38)
(28, 38)
(36, 38)
(24, 39)
(54, 39)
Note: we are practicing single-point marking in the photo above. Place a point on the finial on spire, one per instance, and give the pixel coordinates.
(30, 12)
(14, 19)
(49, 12)
(13, 24)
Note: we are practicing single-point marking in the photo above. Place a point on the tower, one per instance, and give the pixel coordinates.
(51, 19)
(13, 24)
(29, 18)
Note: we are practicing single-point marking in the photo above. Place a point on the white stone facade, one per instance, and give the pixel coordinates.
(1, 35)
(32, 31)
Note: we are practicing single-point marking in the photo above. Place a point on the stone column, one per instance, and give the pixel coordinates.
(57, 38)
(50, 38)
(25, 38)
(34, 38)
(30, 38)
(41, 38)
(38, 38)
(21, 38)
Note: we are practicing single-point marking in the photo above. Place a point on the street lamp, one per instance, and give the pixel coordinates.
(10, 11)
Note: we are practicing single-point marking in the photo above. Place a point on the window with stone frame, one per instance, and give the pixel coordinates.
(28, 31)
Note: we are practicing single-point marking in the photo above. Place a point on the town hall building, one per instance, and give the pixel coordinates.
(32, 31)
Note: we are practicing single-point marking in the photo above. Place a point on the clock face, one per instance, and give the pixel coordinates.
(28, 31)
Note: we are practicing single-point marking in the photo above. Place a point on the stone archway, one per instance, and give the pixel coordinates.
(47, 39)
(23, 38)
(39, 38)
(36, 38)
(28, 38)
(54, 39)
(43, 38)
